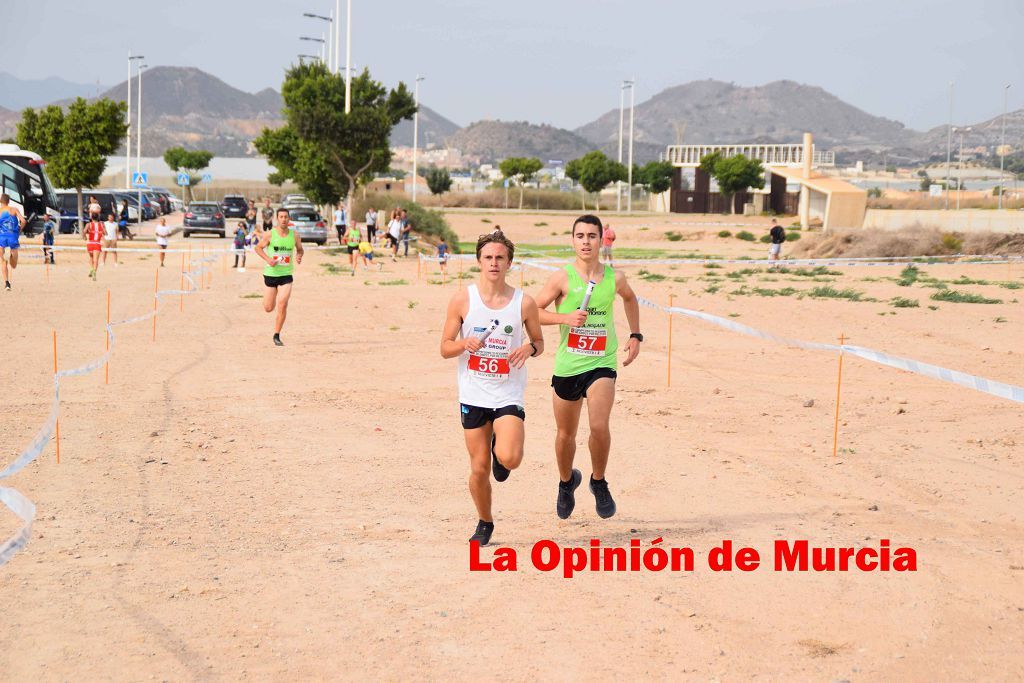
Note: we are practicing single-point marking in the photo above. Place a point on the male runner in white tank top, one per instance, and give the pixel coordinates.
(490, 317)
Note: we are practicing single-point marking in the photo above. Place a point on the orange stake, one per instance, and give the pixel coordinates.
(668, 373)
(839, 384)
(156, 286)
(106, 335)
(181, 287)
(55, 374)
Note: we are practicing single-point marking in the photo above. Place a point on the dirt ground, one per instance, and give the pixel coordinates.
(228, 510)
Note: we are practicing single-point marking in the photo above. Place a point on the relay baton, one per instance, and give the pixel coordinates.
(586, 295)
(487, 333)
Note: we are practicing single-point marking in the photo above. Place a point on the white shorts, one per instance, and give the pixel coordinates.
(774, 249)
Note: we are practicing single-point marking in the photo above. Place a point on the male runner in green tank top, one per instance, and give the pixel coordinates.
(281, 248)
(585, 363)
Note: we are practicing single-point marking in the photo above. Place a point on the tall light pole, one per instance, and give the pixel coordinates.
(128, 145)
(337, 36)
(1002, 147)
(348, 60)
(949, 142)
(629, 171)
(331, 47)
(618, 183)
(138, 146)
(415, 135)
(315, 40)
(960, 167)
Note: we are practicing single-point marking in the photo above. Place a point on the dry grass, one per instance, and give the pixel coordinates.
(914, 241)
(818, 648)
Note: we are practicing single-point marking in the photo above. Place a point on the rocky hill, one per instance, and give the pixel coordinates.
(987, 134)
(717, 112)
(18, 93)
(495, 140)
(435, 130)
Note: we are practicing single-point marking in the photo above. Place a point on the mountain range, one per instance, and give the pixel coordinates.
(17, 93)
(189, 107)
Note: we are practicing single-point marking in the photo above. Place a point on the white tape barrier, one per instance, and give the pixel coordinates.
(16, 502)
(1000, 389)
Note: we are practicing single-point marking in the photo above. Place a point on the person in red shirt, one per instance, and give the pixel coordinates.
(93, 235)
(607, 239)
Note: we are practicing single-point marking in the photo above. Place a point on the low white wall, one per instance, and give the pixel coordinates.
(967, 220)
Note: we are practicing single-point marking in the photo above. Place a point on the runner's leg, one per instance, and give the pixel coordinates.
(269, 299)
(510, 434)
(284, 292)
(567, 422)
(4, 252)
(478, 444)
(600, 399)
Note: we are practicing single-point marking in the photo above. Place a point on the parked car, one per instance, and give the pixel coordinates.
(234, 206)
(204, 217)
(291, 200)
(133, 205)
(174, 203)
(69, 207)
(309, 225)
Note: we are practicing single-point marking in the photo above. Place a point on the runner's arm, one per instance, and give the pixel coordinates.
(554, 290)
(531, 321)
(451, 346)
(298, 249)
(632, 306)
(261, 245)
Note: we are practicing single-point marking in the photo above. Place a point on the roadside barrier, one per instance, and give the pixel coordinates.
(17, 503)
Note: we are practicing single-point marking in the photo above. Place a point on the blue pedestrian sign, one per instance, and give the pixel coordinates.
(506, 183)
(184, 180)
(207, 177)
(140, 179)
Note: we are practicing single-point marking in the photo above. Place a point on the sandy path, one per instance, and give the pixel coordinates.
(227, 510)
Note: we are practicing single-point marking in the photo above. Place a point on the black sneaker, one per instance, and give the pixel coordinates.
(7, 285)
(483, 533)
(277, 340)
(605, 504)
(499, 471)
(567, 494)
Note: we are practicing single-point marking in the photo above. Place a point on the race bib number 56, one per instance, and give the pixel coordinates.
(484, 366)
(587, 341)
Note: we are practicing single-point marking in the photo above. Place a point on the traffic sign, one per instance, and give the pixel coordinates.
(935, 190)
(207, 177)
(184, 179)
(140, 179)
(506, 183)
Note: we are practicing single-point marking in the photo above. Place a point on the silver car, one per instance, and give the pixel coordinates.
(309, 225)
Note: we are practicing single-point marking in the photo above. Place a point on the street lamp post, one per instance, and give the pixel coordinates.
(960, 167)
(331, 64)
(629, 171)
(618, 183)
(315, 40)
(138, 146)
(415, 135)
(949, 142)
(1002, 147)
(128, 144)
(348, 59)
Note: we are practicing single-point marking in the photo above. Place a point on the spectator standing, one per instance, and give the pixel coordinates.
(371, 225)
(778, 236)
(607, 240)
(110, 238)
(239, 246)
(340, 221)
(162, 233)
(48, 230)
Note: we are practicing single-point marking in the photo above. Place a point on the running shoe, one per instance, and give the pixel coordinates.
(567, 494)
(277, 340)
(499, 471)
(7, 285)
(483, 533)
(605, 503)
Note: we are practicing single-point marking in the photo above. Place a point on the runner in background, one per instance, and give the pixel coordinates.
(281, 249)
(352, 240)
(110, 238)
(442, 256)
(93, 235)
(11, 223)
(484, 329)
(585, 363)
(778, 236)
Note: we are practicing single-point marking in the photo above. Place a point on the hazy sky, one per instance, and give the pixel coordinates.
(559, 61)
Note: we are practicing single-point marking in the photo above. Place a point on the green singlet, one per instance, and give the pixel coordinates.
(352, 237)
(283, 247)
(582, 349)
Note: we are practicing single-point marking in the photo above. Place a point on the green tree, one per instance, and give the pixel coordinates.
(75, 144)
(655, 176)
(520, 170)
(438, 180)
(733, 174)
(327, 152)
(594, 172)
(188, 161)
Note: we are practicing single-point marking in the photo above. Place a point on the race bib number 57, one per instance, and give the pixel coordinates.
(587, 341)
(483, 366)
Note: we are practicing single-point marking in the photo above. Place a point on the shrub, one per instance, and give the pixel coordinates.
(875, 192)
(766, 238)
(955, 297)
(900, 302)
(908, 276)
(745, 236)
(673, 236)
(830, 292)
(951, 242)
(792, 236)
(724, 233)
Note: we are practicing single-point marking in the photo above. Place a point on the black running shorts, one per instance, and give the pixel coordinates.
(575, 387)
(277, 280)
(474, 417)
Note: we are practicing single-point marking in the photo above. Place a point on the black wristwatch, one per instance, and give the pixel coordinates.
(534, 350)
(636, 335)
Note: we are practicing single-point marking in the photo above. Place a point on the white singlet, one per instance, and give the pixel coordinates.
(486, 379)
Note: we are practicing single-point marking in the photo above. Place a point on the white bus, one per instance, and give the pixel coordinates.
(23, 179)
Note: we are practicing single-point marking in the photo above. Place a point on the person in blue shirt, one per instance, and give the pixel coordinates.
(11, 223)
(442, 256)
(48, 229)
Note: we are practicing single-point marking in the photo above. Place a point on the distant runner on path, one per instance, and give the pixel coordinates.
(585, 363)
(281, 249)
(484, 329)
(778, 236)
(11, 223)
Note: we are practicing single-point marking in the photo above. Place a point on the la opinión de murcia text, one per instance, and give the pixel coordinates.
(655, 556)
